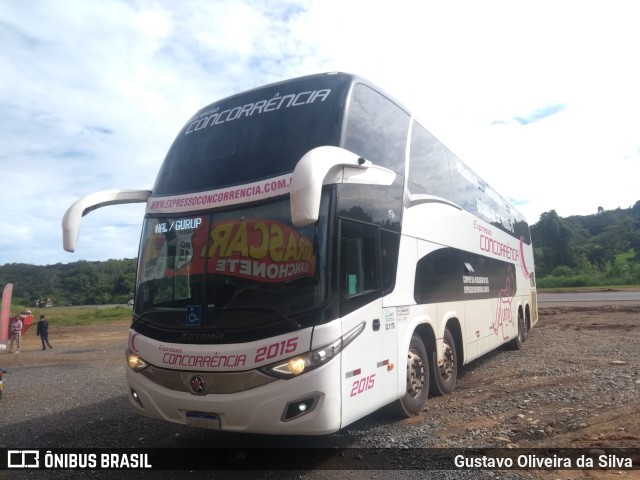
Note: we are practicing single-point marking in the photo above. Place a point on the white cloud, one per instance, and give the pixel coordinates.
(92, 94)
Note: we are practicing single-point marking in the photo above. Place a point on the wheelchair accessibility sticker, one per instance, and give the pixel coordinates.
(193, 316)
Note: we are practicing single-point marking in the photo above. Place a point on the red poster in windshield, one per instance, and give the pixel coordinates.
(261, 250)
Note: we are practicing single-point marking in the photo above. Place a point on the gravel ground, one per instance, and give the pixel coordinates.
(575, 384)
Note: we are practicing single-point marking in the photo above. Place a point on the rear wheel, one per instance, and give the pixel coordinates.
(518, 342)
(444, 377)
(415, 399)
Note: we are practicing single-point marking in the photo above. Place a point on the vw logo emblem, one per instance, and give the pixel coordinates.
(197, 385)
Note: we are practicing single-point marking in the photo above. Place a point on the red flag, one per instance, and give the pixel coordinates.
(4, 315)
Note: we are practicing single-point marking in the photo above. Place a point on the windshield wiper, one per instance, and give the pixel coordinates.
(278, 312)
(148, 312)
(286, 317)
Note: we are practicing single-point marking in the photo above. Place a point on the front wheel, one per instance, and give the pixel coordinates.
(414, 400)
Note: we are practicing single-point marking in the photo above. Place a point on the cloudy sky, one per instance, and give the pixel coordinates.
(541, 99)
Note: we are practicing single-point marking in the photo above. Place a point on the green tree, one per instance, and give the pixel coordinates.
(555, 242)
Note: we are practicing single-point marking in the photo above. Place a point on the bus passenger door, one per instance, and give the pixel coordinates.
(368, 370)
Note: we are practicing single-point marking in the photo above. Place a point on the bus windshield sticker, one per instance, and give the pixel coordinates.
(154, 258)
(184, 249)
(169, 247)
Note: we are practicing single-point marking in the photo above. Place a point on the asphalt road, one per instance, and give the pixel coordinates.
(605, 297)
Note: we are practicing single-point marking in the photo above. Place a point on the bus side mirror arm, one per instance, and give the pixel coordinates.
(88, 203)
(324, 166)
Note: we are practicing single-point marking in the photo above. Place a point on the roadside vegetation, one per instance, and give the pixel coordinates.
(77, 283)
(599, 250)
(625, 272)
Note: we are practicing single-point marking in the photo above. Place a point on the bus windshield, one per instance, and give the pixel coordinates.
(255, 135)
(242, 270)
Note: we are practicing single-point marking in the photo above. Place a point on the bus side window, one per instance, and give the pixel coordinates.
(436, 277)
(359, 264)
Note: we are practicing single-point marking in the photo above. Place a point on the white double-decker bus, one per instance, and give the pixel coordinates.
(310, 253)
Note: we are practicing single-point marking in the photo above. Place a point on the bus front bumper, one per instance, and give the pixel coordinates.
(305, 405)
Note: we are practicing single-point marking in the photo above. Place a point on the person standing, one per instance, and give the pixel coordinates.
(16, 333)
(42, 331)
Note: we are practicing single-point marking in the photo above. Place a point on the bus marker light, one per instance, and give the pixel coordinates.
(353, 373)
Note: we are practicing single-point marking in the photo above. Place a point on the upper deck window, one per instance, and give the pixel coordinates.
(377, 129)
(429, 165)
(255, 135)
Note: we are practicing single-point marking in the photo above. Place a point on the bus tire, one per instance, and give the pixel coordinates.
(527, 326)
(414, 400)
(443, 378)
(518, 342)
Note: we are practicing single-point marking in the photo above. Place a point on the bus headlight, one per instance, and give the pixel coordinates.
(294, 366)
(135, 362)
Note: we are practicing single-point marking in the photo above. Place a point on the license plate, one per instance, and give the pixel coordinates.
(203, 420)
